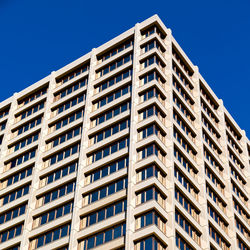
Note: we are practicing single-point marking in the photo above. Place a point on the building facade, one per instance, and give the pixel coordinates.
(125, 148)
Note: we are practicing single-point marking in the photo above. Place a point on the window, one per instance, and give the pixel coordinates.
(212, 161)
(150, 111)
(152, 30)
(69, 104)
(183, 63)
(210, 127)
(11, 196)
(67, 120)
(58, 174)
(239, 193)
(110, 114)
(182, 108)
(11, 233)
(65, 136)
(22, 158)
(184, 80)
(152, 92)
(108, 150)
(184, 143)
(50, 236)
(216, 198)
(105, 191)
(150, 218)
(233, 143)
(151, 45)
(53, 214)
(152, 129)
(214, 179)
(241, 244)
(30, 111)
(153, 75)
(218, 238)
(104, 213)
(189, 207)
(103, 237)
(149, 243)
(149, 172)
(114, 65)
(56, 193)
(149, 150)
(12, 214)
(63, 154)
(233, 131)
(235, 159)
(27, 126)
(111, 130)
(32, 97)
(218, 219)
(4, 112)
(111, 97)
(184, 126)
(190, 230)
(24, 142)
(241, 210)
(17, 177)
(181, 243)
(151, 60)
(115, 51)
(80, 70)
(150, 194)
(66, 91)
(185, 182)
(208, 97)
(106, 170)
(3, 126)
(209, 112)
(113, 80)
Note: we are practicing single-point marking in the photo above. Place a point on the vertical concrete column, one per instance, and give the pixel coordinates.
(169, 163)
(200, 161)
(226, 177)
(7, 132)
(131, 197)
(82, 162)
(38, 164)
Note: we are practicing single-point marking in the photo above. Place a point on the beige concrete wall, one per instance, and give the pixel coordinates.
(167, 107)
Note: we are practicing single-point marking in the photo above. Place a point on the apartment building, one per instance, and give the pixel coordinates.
(125, 148)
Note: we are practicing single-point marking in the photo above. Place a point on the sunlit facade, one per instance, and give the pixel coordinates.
(125, 148)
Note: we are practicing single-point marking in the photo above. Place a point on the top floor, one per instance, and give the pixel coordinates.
(151, 33)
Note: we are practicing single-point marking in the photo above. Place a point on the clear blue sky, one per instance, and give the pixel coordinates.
(39, 36)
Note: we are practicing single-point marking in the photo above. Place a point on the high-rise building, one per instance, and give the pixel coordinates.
(125, 148)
